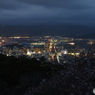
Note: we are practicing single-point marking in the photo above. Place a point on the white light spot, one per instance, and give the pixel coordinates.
(94, 90)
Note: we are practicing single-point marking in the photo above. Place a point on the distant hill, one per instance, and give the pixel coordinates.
(60, 30)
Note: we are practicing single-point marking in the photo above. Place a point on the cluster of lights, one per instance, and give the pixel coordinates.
(71, 43)
(38, 43)
(18, 37)
(29, 53)
(75, 54)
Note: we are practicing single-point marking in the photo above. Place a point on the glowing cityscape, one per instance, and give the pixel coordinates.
(53, 48)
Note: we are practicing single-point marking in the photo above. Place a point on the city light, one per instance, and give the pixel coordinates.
(52, 48)
(71, 43)
(65, 51)
(28, 53)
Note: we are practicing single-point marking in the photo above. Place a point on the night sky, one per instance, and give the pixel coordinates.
(31, 12)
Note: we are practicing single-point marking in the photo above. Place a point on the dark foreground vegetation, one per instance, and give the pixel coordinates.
(18, 74)
(25, 76)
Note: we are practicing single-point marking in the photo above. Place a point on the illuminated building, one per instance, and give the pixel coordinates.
(52, 50)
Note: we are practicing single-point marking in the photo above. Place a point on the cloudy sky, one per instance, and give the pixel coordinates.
(27, 12)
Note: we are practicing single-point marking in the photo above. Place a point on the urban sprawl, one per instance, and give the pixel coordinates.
(55, 49)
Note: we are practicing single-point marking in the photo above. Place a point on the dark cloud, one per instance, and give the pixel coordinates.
(50, 11)
(10, 4)
(49, 3)
(71, 4)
